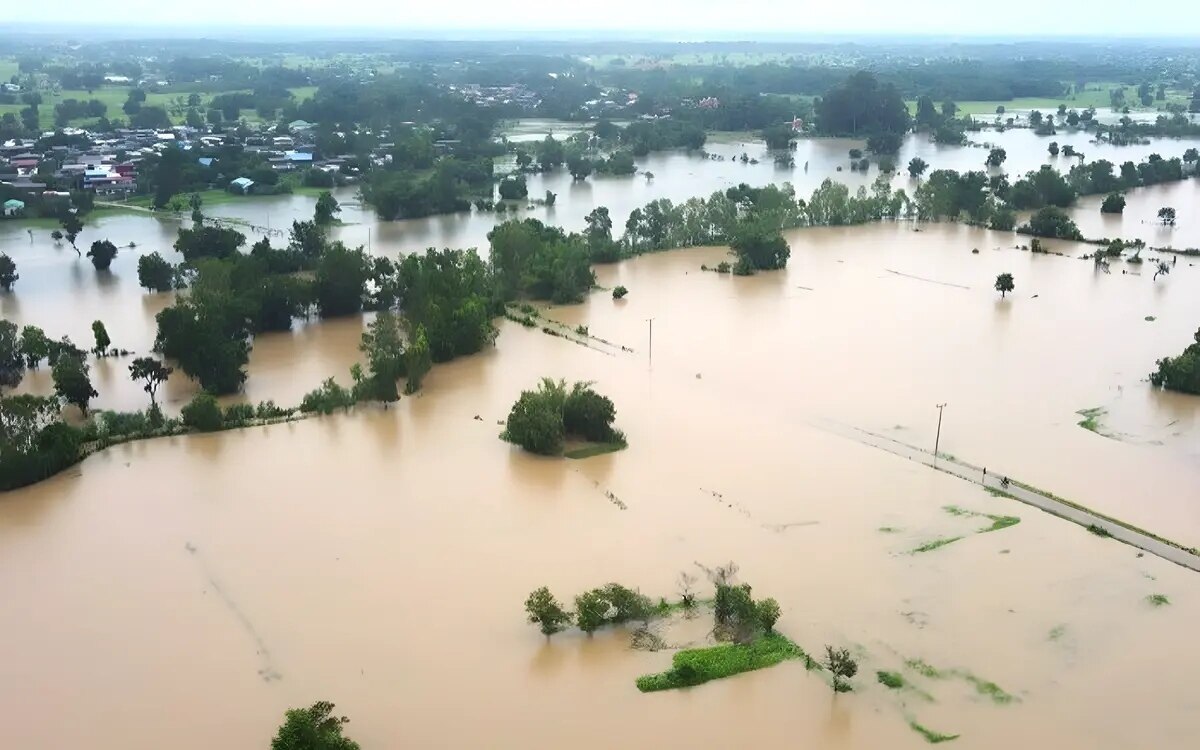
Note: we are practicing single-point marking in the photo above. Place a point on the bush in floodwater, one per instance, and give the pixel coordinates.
(327, 399)
(543, 609)
(540, 420)
(840, 664)
(620, 292)
(1180, 373)
(313, 728)
(892, 680)
(239, 414)
(203, 413)
(723, 267)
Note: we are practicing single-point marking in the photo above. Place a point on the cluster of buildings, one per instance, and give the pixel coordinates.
(107, 163)
(493, 96)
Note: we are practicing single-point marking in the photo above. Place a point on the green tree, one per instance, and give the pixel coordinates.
(917, 167)
(384, 347)
(580, 166)
(341, 279)
(996, 157)
(203, 413)
(73, 382)
(861, 105)
(103, 342)
(589, 415)
(779, 137)
(550, 153)
(1052, 222)
(313, 728)
(102, 254)
(72, 225)
(513, 188)
(1166, 215)
(168, 173)
(759, 245)
(327, 208)
(8, 273)
(12, 363)
(35, 346)
(1053, 148)
(767, 612)
(155, 274)
(841, 666)
(535, 421)
(152, 374)
(545, 611)
(418, 359)
(207, 333)
(1180, 373)
(208, 242)
(1114, 203)
(884, 143)
(619, 292)
(591, 610)
(1004, 284)
(1003, 219)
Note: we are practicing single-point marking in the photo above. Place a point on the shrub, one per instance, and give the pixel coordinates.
(203, 413)
(620, 292)
(535, 423)
(588, 414)
(238, 414)
(327, 399)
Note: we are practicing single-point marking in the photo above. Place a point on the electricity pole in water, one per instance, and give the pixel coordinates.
(937, 440)
(651, 322)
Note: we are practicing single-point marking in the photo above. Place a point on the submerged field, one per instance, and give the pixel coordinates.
(163, 574)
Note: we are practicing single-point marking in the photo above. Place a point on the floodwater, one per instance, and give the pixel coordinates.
(214, 581)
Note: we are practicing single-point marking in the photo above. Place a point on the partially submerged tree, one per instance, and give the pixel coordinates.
(1114, 203)
(102, 253)
(1180, 373)
(73, 382)
(152, 374)
(103, 342)
(1166, 215)
(1004, 284)
(8, 273)
(545, 611)
(155, 274)
(326, 209)
(12, 362)
(72, 225)
(840, 664)
(313, 728)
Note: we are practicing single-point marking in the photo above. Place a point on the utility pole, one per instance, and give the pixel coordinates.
(651, 322)
(937, 440)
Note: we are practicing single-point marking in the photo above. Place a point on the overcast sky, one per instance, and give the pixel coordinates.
(658, 18)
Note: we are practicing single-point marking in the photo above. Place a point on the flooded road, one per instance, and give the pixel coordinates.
(214, 581)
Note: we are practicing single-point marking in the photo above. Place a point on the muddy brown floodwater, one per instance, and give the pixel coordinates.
(184, 592)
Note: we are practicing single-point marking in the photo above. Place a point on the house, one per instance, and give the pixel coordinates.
(299, 126)
(13, 208)
(242, 185)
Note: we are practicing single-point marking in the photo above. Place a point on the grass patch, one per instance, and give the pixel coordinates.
(893, 680)
(1057, 632)
(1099, 531)
(889, 529)
(1158, 600)
(594, 449)
(1150, 318)
(989, 689)
(997, 492)
(931, 736)
(1000, 522)
(1091, 418)
(696, 666)
(935, 544)
(924, 668)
